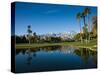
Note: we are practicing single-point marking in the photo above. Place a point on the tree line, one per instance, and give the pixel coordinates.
(32, 37)
(87, 32)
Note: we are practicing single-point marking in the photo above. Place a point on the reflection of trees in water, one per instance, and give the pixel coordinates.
(82, 53)
(85, 54)
(34, 54)
(23, 52)
(95, 59)
(17, 52)
(67, 49)
(28, 52)
(31, 54)
(20, 51)
(64, 49)
(29, 59)
(49, 48)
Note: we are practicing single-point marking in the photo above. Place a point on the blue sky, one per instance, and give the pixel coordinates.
(45, 18)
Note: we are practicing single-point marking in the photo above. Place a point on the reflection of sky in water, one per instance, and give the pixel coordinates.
(56, 59)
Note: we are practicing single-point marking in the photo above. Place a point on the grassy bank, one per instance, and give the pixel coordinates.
(91, 45)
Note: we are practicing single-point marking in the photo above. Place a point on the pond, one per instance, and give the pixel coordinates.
(54, 58)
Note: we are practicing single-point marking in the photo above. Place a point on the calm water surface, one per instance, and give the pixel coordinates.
(54, 58)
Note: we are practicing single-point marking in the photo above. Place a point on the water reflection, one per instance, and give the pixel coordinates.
(85, 54)
(54, 58)
(29, 59)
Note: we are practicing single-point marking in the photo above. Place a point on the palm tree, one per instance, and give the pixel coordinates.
(78, 16)
(85, 31)
(29, 32)
(83, 15)
(85, 25)
(94, 26)
(87, 12)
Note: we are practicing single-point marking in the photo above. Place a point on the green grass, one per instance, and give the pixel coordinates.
(92, 44)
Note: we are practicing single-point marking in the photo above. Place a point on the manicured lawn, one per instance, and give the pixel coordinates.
(92, 44)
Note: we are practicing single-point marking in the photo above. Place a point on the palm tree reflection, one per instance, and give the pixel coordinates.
(85, 55)
(31, 54)
(34, 54)
(29, 59)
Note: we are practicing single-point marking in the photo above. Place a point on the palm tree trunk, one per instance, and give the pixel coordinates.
(84, 25)
(29, 39)
(80, 31)
(89, 28)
